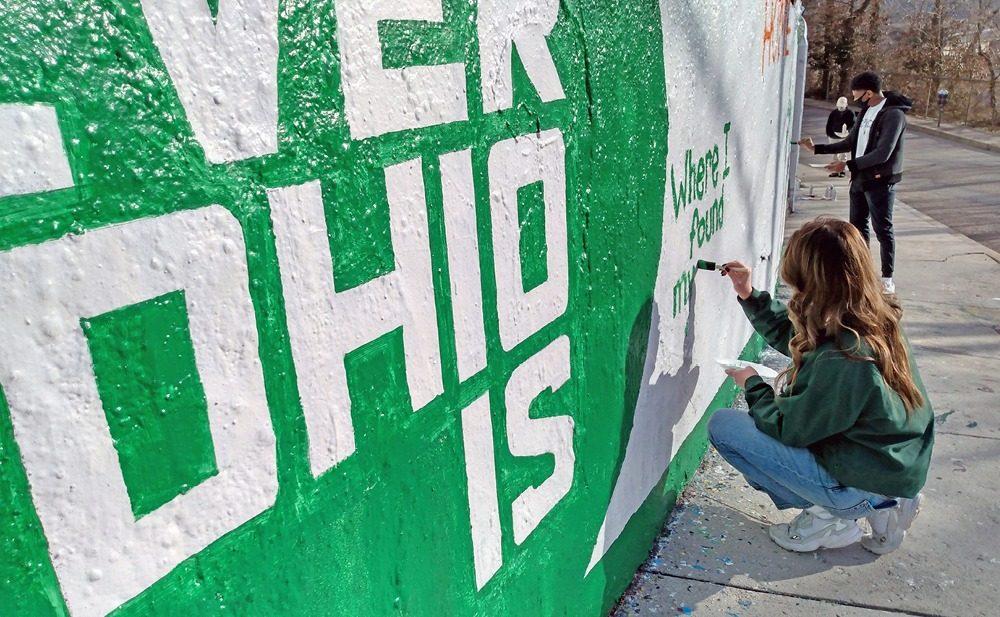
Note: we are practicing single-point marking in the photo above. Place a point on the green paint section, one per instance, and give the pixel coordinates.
(531, 218)
(414, 43)
(360, 244)
(385, 532)
(213, 8)
(153, 399)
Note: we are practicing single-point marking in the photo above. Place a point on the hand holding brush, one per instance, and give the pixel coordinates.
(738, 272)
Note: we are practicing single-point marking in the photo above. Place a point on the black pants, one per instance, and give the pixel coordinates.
(876, 204)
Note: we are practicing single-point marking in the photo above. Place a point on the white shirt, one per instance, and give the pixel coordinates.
(866, 128)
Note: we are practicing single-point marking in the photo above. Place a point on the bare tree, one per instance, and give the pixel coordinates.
(841, 38)
(848, 43)
(824, 34)
(920, 46)
(987, 47)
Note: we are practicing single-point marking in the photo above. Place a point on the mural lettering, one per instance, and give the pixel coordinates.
(236, 123)
(697, 181)
(364, 306)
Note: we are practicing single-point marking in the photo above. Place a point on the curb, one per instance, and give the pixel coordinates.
(967, 141)
(982, 248)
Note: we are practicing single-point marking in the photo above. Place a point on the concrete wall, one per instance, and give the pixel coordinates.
(369, 306)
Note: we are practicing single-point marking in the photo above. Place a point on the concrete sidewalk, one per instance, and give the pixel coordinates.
(714, 557)
(959, 133)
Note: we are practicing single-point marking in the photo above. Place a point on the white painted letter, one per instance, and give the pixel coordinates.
(225, 72)
(325, 324)
(512, 164)
(463, 261)
(484, 507)
(102, 555)
(549, 368)
(379, 100)
(525, 23)
(32, 157)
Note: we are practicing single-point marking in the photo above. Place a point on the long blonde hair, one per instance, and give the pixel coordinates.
(836, 290)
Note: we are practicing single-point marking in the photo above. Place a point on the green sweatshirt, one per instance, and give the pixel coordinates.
(842, 410)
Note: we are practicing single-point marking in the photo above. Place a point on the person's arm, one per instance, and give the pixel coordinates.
(836, 147)
(892, 128)
(827, 403)
(769, 318)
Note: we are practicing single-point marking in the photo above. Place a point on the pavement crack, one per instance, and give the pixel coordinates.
(800, 596)
(951, 352)
(983, 253)
(966, 435)
(741, 511)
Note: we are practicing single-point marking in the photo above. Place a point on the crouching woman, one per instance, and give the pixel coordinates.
(849, 433)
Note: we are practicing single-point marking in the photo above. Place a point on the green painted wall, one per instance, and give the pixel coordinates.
(386, 530)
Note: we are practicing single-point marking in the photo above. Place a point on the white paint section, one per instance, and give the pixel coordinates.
(501, 25)
(481, 473)
(325, 324)
(680, 377)
(312, 312)
(514, 163)
(527, 436)
(378, 100)
(225, 71)
(101, 554)
(462, 244)
(32, 157)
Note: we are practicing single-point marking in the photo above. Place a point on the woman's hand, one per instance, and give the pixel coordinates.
(807, 143)
(740, 375)
(739, 273)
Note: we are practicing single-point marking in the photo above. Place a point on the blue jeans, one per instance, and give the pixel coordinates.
(791, 477)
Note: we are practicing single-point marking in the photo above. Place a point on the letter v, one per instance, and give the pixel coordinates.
(225, 71)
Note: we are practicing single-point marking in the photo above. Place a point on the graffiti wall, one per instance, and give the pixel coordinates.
(369, 307)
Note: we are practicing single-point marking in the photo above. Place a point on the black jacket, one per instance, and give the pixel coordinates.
(882, 161)
(836, 122)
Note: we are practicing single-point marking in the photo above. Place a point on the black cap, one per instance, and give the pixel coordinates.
(867, 81)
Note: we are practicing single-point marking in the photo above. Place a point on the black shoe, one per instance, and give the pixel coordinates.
(835, 175)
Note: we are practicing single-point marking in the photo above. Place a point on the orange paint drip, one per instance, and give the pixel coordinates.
(774, 42)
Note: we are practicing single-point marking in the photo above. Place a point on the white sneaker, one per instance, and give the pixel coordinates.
(889, 525)
(813, 529)
(888, 287)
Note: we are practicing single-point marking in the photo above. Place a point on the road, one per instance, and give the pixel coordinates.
(954, 184)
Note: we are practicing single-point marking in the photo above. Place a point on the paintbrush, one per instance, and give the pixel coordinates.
(711, 265)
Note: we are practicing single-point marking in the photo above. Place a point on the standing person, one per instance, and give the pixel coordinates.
(850, 433)
(876, 142)
(838, 126)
